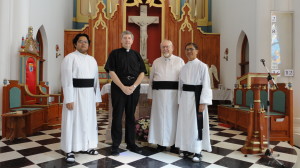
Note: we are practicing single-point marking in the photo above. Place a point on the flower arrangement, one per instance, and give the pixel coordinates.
(142, 128)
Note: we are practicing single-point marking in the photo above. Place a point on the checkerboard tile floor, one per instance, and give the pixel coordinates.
(43, 150)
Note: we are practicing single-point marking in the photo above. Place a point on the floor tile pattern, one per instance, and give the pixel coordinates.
(43, 150)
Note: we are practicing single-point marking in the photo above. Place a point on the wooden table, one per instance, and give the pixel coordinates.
(15, 125)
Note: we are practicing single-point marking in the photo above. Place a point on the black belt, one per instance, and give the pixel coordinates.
(165, 85)
(197, 90)
(83, 82)
(128, 77)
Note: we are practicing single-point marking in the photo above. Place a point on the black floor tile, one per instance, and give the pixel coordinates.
(59, 163)
(103, 163)
(188, 163)
(147, 151)
(16, 141)
(221, 151)
(56, 134)
(285, 150)
(216, 129)
(233, 163)
(49, 141)
(33, 151)
(235, 141)
(5, 149)
(147, 163)
(213, 142)
(223, 134)
(20, 162)
(272, 162)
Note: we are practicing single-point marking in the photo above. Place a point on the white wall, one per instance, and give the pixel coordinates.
(15, 16)
(55, 16)
(231, 17)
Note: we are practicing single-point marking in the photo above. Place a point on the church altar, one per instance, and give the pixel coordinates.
(220, 94)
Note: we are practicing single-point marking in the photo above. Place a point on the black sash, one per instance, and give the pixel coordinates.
(197, 90)
(83, 82)
(165, 85)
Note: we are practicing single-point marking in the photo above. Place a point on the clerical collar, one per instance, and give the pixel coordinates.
(127, 50)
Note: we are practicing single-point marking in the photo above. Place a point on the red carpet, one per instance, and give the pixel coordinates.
(224, 125)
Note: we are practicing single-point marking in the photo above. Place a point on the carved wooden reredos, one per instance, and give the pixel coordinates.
(105, 27)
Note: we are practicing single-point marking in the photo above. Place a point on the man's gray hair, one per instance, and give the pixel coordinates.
(166, 40)
(127, 32)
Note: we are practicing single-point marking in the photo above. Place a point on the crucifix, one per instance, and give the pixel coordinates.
(143, 21)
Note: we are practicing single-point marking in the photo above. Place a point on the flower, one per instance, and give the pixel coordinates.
(142, 128)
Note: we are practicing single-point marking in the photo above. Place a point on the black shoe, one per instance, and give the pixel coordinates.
(173, 149)
(160, 148)
(70, 157)
(134, 149)
(115, 151)
(197, 157)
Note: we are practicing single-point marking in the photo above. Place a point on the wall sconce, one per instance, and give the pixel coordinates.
(5, 82)
(226, 54)
(57, 50)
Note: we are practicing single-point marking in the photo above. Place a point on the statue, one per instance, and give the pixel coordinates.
(213, 72)
(143, 21)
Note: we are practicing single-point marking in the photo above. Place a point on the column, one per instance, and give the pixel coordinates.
(5, 31)
(20, 24)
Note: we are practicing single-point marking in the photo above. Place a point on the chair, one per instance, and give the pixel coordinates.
(12, 102)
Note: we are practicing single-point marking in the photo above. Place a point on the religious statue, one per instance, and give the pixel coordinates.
(213, 72)
(143, 21)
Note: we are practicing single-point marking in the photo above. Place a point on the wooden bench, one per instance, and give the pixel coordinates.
(281, 111)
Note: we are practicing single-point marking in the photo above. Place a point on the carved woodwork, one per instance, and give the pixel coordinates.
(105, 28)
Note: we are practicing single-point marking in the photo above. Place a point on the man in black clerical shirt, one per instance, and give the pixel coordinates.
(127, 69)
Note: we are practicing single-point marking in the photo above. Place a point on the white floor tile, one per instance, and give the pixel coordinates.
(218, 138)
(55, 146)
(44, 157)
(228, 145)
(85, 158)
(165, 157)
(40, 137)
(9, 156)
(127, 157)
(25, 145)
(240, 156)
(210, 157)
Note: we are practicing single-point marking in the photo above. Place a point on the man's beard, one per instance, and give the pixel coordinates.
(166, 55)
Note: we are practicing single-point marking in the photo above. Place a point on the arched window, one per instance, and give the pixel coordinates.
(245, 57)
(39, 39)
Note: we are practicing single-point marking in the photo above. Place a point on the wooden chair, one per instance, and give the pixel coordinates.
(12, 102)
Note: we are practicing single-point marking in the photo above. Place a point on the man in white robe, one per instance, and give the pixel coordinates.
(79, 76)
(189, 137)
(163, 90)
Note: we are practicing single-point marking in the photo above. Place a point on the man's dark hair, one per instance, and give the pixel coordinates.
(75, 40)
(193, 44)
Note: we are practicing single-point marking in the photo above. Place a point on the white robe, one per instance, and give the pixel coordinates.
(193, 73)
(79, 130)
(164, 109)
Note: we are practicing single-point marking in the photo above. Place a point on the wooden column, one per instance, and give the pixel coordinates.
(256, 141)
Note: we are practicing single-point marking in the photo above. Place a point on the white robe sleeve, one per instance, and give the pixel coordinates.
(206, 93)
(97, 85)
(67, 78)
(150, 81)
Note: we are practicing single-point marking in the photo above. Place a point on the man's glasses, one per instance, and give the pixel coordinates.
(190, 49)
(82, 41)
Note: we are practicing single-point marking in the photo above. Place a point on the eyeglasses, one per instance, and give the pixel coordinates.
(82, 41)
(190, 49)
(168, 46)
